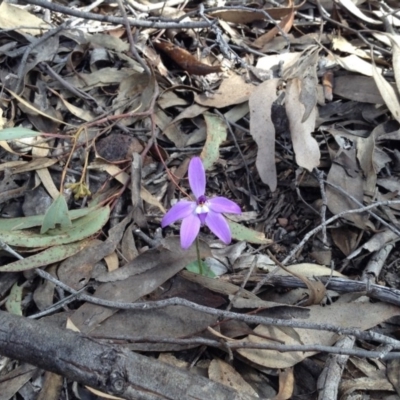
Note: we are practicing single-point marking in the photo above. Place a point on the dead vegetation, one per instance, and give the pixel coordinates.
(294, 108)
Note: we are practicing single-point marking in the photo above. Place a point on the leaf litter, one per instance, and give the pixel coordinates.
(295, 113)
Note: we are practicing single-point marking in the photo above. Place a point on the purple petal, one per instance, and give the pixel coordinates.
(224, 205)
(218, 226)
(189, 230)
(180, 210)
(197, 177)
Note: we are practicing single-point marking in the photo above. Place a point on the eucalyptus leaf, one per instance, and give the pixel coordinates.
(216, 134)
(240, 232)
(46, 257)
(11, 224)
(194, 267)
(81, 228)
(17, 133)
(13, 303)
(57, 214)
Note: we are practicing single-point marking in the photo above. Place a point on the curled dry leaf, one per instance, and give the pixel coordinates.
(286, 384)
(186, 60)
(263, 130)
(285, 25)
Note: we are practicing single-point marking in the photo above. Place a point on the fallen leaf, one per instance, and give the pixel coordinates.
(186, 60)
(262, 130)
(233, 90)
(388, 93)
(216, 134)
(286, 384)
(222, 372)
(304, 145)
(57, 214)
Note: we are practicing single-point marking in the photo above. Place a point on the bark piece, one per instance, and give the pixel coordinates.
(105, 367)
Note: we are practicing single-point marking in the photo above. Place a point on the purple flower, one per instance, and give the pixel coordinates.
(203, 211)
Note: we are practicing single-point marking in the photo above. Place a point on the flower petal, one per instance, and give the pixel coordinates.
(218, 226)
(197, 177)
(180, 210)
(223, 205)
(189, 230)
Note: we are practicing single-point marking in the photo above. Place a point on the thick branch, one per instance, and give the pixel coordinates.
(109, 368)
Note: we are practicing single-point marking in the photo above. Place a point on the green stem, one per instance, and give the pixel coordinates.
(198, 256)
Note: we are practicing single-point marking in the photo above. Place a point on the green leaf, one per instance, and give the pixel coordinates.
(240, 232)
(12, 224)
(81, 228)
(216, 134)
(194, 267)
(13, 303)
(57, 213)
(46, 257)
(17, 133)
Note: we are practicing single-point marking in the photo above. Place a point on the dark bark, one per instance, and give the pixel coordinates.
(106, 367)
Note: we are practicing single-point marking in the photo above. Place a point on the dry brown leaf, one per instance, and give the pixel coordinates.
(304, 145)
(346, 174)
(77, 270)
(218, 286)
(376, 242)
(362, 315)
(286, 384)
(246, 17)
(33, 165)
(35, 110)
(316, 288)
(11, 17)
(395, 39)
(112, 261)
(357, 88)
(350, 6)
(186, 60)
(262, 130)
(222, 372)
(233, 90)
(369, 384)
(103, 395)
(48, 183)
(388, 93)
(285, 26)
(159, 265)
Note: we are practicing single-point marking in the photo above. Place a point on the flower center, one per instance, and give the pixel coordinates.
(202, 205)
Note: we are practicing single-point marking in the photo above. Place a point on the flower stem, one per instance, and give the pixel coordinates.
(198, 256)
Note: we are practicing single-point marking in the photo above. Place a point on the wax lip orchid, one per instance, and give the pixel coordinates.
(203, 211)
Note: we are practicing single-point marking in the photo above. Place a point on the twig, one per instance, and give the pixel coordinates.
(28, 50)
(243, 8)
(251, 319)
(329, 380)
(377, 217)
(332, 219)
(249, 175)
(118, 20)
(320, 177)
(130, 38)
(236, 344)
(324, 15)
(372, 271)
(154, 6)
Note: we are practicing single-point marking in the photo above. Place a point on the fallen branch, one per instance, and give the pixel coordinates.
(106, 367)
(118, 20)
